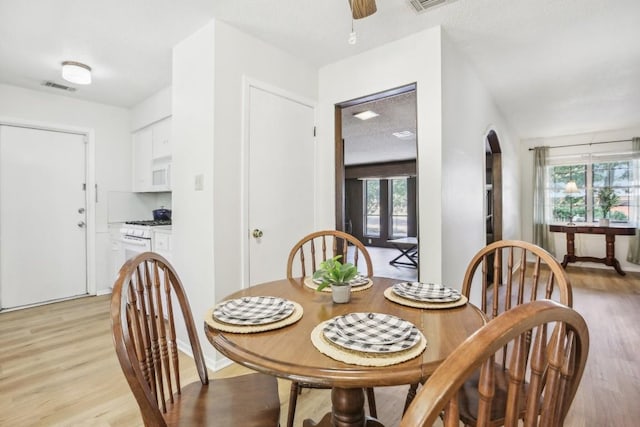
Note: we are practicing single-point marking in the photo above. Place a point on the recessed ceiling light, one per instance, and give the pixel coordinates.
(405, 134)
(366, 115)
(76, 72)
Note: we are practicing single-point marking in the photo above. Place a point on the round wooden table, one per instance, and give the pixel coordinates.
(289, 353)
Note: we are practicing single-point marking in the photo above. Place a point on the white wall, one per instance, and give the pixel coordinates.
(469, 113)
(454, 113)
(208, 70)
(414, 59)
(193, 139)
(110, 126)
(239, 55)
(585, 245)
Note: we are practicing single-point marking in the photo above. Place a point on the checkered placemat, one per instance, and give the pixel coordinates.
(359, 280)
(378, 325)
(426, 292)
(253, 310)
(372, 328)
(392, 296)
(362, 284)
(211, 320)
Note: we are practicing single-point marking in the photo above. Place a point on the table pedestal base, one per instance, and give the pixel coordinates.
(348, 411)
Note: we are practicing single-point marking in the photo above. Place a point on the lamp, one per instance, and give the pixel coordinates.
(569, 189)
(76, 72)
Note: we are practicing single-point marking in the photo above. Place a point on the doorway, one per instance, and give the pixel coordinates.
(493, 188)
(43, 216)
(376, 177)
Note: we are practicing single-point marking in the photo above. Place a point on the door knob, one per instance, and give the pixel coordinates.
(257, 233)
(80, 210)
(81, 224)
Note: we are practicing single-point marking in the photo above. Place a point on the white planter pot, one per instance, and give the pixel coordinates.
(341, 294)
(603, 222)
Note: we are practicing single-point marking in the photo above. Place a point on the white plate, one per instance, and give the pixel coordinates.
(372, 328)
(248, 308)
(400, 290)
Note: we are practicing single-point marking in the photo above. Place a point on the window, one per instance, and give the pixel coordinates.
(398, 202)
(591, 176)
(372, 214)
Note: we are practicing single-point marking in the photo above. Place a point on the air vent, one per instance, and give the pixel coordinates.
(422, 5)
(58, 86)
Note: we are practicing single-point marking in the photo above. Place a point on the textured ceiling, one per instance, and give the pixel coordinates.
(372, 140)
(554, 67)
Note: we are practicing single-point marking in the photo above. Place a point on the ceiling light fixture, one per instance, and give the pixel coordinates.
(405, 134)
(76, 72)
(365, 115)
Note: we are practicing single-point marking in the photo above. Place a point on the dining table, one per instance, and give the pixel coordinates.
(288, 351)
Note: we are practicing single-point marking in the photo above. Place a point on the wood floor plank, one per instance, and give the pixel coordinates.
(58, 366)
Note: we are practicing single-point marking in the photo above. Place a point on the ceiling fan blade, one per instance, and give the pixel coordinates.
(362, 8)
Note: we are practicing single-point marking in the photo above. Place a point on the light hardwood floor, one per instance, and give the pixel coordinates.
(58, 366)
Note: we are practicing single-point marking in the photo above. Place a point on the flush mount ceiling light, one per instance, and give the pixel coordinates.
(76, 72)
(366, 115)
(405, 134)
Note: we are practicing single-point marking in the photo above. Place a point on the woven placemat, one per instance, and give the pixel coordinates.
(363, 359)
(391, 296)
(237, 329)
(308, 282)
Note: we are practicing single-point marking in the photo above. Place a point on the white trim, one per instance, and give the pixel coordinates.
(211, 364)
(91, 183)
(247, 84)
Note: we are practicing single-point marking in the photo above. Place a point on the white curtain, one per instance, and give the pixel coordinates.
(634, 244)
(541, 234)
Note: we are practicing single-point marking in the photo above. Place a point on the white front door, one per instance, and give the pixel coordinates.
(43, 251)
(281, 180)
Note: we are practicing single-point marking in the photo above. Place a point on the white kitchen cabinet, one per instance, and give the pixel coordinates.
(152, 157)
(162, 139)
(142, 152)
(161, 243)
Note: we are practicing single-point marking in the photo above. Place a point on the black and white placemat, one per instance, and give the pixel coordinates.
(372, 328)
(258, 310)
(361, 344)
(353, 357)
(392, 296)
(361, 284)
(426, 292)
(212, 321)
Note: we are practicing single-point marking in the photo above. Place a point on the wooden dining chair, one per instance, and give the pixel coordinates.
(304, 259)
(316, 247)
(148, 298)
(548, 346)
(510, 273)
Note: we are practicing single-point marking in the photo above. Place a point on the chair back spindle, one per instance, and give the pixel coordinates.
(542, 378)
(320, 246)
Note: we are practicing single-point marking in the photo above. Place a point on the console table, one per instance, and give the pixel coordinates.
(610, 237)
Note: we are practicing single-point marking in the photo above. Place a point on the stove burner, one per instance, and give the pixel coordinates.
(150, 222)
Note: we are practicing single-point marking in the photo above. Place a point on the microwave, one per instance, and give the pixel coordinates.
(161, 176)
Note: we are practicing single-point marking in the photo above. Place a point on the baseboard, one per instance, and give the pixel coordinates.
(211, 364)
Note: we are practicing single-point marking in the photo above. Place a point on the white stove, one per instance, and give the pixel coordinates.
(136, 230)
(137, 236)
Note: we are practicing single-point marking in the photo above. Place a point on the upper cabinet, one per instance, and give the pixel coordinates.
(152, 157)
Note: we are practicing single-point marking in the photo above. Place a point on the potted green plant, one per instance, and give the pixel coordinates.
(337, 275)
(607, 198)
